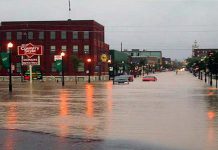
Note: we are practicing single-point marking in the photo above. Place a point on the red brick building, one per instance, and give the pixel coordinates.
(81, 38)
(203, 52)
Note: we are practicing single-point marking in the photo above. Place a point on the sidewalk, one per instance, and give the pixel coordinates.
(26, 140)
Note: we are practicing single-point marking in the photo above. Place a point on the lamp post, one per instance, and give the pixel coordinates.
(62, 63)
(24, 41)
(216, 65)
(89, 61)
(123, 66)
(9, 46)
(205, 71)
(210, 68)
(109, 68)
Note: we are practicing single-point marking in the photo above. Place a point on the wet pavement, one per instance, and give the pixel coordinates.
(178, 112)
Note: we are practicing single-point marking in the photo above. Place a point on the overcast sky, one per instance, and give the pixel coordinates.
(171, 26)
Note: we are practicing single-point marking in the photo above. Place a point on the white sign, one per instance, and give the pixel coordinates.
(35, 60)
(57, 57)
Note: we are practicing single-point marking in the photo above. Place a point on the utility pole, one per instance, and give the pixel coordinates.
(121, 48)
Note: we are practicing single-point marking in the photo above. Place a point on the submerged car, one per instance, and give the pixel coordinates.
(149, 78)
(121, 79)
(130, 77)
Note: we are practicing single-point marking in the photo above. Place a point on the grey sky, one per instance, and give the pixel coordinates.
(167, 25)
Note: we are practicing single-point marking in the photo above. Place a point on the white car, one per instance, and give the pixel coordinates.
(121, 79)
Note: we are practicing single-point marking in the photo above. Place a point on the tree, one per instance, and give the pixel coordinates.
(177, 64)
(143, 62)
(76, 61)
(192, 61)
(213, 63)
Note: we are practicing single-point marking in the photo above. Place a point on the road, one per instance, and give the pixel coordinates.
(178, 112)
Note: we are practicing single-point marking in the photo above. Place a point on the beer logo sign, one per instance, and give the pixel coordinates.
(29, 50)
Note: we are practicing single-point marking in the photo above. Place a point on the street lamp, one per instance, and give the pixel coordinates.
(9, 46)
(109, 68)
(62, 63)
(123, 67)
(89, 61)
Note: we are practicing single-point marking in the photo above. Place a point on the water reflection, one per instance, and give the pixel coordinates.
(11, 115)
(11, 120)
(9, 143)
(109, 86)
(89, 100)
(179, 114)
(64, 129)
(63, 103)
(211, 115)
(212, 100)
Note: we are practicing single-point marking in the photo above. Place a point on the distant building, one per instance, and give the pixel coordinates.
(200, 52)
(81, 38)
(151, 57)
(203, 52)
(166, 61)
(119, 63)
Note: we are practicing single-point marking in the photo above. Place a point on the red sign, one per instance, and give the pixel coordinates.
(29, 50)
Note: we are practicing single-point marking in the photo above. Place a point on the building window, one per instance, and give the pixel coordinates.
(132, 54)
(18, 67)
(52, 35)
(30, 35)
(86, 34)
(52, 48)
(75, 48)
(41, 35)
(53, 67)
(86, 49)
(75, 35)
(8, 36)
(19, 35)
(64, 48)
(63, 35)
(81, 67)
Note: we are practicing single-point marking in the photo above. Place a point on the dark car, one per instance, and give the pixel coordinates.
(130, 77)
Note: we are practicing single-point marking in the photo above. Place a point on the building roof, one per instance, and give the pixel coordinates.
(59, 24)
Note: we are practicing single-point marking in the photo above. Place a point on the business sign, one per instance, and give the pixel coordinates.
(5, 59)
(58, 65)
(35, 60)
(29, 50)
(104, 58)
(57, 57)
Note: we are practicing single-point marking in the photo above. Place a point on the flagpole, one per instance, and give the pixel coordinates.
(69, 9)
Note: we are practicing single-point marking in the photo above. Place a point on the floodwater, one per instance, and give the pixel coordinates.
(178, 112)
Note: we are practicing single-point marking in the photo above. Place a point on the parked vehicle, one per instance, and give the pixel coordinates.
(35, 75)
(149, 78)
(120, 79)
(130, 77)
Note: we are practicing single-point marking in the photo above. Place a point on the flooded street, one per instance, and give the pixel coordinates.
(178, 112)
